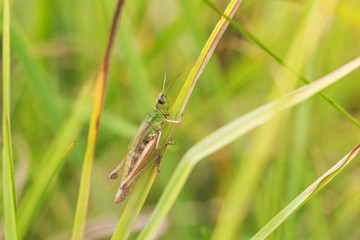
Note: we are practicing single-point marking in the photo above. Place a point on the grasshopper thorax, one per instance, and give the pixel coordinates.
(162, 103)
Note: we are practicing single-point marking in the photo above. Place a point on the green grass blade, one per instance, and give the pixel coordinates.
(84, 190)
(9, 196)
(229, 133)
(101, 81)
(144, 182)
(306, 195)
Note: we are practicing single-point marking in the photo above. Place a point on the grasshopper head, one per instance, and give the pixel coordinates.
(162, 103)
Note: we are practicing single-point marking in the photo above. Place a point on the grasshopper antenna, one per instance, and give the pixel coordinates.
(164, 77)
(172, 82)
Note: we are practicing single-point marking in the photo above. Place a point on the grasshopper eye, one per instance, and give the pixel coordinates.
(161, 100)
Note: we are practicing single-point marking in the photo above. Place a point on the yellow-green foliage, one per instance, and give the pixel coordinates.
(57, 48)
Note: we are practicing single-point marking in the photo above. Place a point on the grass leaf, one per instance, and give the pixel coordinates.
(101, 81)
(9, 195)
(306, 195)
(84, 191)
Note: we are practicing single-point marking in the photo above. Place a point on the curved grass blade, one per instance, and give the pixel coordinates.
(306, 195)
(84, 191)
(229, 133)
(9, 195)
(144, 183)
(241, 29)
(101, 81)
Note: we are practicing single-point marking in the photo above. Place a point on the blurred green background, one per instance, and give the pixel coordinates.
(57, 48)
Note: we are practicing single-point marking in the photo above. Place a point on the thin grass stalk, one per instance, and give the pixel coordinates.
(9, 195)
(101, 81)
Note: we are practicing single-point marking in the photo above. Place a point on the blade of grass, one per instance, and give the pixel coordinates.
(241, 29)
(142, 187)
(306, 195)
(67, 151)
(84, 191)
(9, 195)
(229, 133)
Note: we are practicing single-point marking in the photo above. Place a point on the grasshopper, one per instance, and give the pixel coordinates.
(145, 143)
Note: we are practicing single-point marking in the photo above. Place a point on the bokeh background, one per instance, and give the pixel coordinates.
(57, 48)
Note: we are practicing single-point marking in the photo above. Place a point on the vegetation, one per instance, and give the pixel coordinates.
(264, 138)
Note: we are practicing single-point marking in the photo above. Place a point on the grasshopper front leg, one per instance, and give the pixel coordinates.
(173, 121)
(159, 137)
(160, 132)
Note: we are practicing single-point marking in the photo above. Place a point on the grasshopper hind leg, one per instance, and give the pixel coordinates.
(130, 180)
(126, 187)
(116, 173)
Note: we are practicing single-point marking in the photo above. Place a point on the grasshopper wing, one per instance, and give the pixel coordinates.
(140, 136)
(142, 133)
(139, 166)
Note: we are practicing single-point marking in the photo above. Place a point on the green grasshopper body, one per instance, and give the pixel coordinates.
(144, 145)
